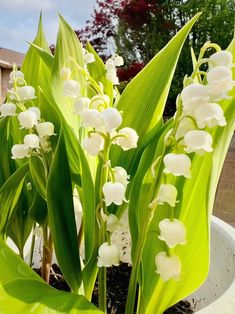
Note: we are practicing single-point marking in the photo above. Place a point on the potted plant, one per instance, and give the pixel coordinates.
(78, 155)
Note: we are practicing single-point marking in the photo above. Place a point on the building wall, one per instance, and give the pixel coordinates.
(4, 78)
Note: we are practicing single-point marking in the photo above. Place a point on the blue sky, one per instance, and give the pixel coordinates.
(19, 18)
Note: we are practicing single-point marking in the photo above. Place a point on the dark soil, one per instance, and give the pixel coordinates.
(117, 287)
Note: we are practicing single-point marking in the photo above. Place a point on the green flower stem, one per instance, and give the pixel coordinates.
(130, 303)
(102, 276)
(32, 247)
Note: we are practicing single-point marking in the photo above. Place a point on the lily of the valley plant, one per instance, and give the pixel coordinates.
(77, 157)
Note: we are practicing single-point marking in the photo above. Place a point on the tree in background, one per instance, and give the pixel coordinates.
(140, 28)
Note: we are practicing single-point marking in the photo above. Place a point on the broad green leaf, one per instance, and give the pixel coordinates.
(9, 195)
(45, 55)
(143, 100)
(23, 291)
(7, 165)
(20, 224)
(38, 210)
(61, 216)
(38, 175)
(196, 199)
(35, 70)
(68, 51)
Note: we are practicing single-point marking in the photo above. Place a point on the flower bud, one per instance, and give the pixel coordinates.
(92, 118)
(111, 223)
(185, 125)
(172, 232)
(8, 109)
(193, 95)
(114, 193)
(65, 74)
(129, 140)
(112, 119)
(89, 58)
(108, 255)
(177, 164)
(209, 115)
(118, 61)
(45, 129)
(31, 141)
(219, 81)
(81, 104)
(71, 88)
(93, 144)
(19, 151)
(121, 175)
(37, 111)
(167, 194)
(198, 141)
(109, 65)
(16, 75)
(25, 93)
(38, 232)
(221, 58)
(168, 267)
(27, 119)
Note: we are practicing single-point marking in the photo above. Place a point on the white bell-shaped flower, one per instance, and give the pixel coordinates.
(209, 115)
(65, 74)
(173, 232)
(118, 60)
(99, 102)
(167, 194)
(37, 111)
(114, 192)
(45, 129)
(198, 141)
(108, 255)
(168, 267)
(109, 64)
(93, 144)
(19, 151)
(89, 58)
(129, 140)
(192, 96)
(221, 58)
(111, 75)
(25, 92)
(177, 164)
(8, 109)
(121, 175)
(31, 141)
(220, 82)
(92, 118)
(16, 76)
(111, 222)
(28, 119)
(71, 88)
(81, 104)
(112, 119)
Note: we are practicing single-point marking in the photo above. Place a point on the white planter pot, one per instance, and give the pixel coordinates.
(217, 294)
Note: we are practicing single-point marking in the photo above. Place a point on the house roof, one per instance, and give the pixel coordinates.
(8, 57)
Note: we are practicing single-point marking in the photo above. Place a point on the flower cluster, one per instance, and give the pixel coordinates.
(102, 122)
(29, 119)
(111, 71)
(197, 110)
